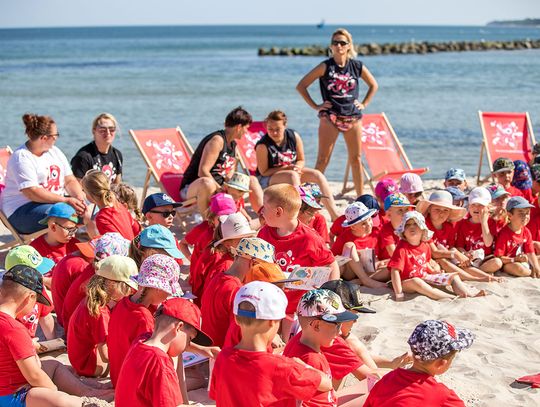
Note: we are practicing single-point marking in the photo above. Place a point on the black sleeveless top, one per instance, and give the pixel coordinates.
(223, 166)
(340, 86)
(279, 156)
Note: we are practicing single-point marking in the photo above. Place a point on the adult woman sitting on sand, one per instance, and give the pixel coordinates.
(100, 154)
(341, 111)
(214, 162)
(38, 176)
(280, 159)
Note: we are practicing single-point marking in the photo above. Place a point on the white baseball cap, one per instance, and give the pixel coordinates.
(480, 195)
(269, 301)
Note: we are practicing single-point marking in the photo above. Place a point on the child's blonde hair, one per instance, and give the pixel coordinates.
(342, 31)
(97, 184)
(97, 294)
(285, 196)
(126, 195)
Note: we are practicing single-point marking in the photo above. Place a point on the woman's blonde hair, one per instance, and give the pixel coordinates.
(342, 31)
(97, 294)
(126, 195)
(106, 116)
(97, 184)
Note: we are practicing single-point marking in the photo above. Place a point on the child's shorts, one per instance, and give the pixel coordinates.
(17, 399)
(442, 279)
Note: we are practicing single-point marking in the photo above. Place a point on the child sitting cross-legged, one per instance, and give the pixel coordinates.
(411, 266)
(371, 203)
(310, 211)
(514, 246)
(272, 379)
(434, 345)
(358, 237)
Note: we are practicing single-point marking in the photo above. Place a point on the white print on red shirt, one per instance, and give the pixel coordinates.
(418, 264)
(285, 261)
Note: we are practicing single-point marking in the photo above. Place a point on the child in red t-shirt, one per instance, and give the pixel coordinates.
(514, 246)
(310, 214)
(441, 215)
(503, 172)
(127, 196)
(155, 239)
(87, 333)
(395, 205)
(358, 243)
(476, 233)
(159, 209)
(434, 345)
(411, 266)
(237, 187)
(247, 374)
(372, 203)
(148, 376)
(320, 314)
(522, 180)
(112, 215)
(132, 316)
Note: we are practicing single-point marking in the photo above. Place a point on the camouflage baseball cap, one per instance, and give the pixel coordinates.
(502, 164)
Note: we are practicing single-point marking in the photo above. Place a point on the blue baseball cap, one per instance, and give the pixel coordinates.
(159, 237)
(158, 199)
(60, 210)
(455, 173)
(457, 194)
(397, 199)
(518, 202)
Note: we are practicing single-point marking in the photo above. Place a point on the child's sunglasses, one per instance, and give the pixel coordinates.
(165, 214)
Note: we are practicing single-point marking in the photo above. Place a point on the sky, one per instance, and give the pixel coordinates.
(69, 13)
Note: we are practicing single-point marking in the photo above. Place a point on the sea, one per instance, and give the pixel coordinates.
(192, 76)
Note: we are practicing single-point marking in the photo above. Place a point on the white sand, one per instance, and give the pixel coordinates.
(506, 324)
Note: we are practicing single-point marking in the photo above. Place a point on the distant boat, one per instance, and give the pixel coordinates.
(321, 24)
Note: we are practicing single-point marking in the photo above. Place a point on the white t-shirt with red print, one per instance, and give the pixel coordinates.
(25, 170)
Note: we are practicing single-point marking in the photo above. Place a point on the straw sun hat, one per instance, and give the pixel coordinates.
(444, 199)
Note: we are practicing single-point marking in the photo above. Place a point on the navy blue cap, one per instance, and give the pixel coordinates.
(370, 201)
(158, 199)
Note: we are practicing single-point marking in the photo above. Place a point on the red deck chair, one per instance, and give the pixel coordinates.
(383, 154)
(246, 147)
(5, 153)
(166, 153)
(508, 135)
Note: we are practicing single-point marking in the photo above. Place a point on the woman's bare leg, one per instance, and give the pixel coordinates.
(256, 194)
(285, 177)
(327, 140)
(202, 189)
(353, 138)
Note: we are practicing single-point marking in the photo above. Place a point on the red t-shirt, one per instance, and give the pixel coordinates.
(319, 225)
(336, 229)
(405, 388)
(387, 237)
(366, 242)
(513, 191)
(31, 320)
(295, 348)
(75, 294)
(128, 322)
(303, 247)
(445, 237)
(244, 378)
(210, 262)
(55, 253)
(217, 306)
(63, 275)
(15, 344)
(341, 358)
(199, 237)
(469, 235)
(85, 333)
(534, 228)
(411, 261)
(117, 219)
(510, 243)
(147, 378)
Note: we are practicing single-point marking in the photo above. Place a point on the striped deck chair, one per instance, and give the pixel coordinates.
(508, 135)
(246, 147)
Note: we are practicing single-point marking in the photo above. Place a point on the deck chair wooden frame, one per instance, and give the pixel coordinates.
(245, 147)
(188, 206)
(527, 142)
(398, 147)
(18, 238)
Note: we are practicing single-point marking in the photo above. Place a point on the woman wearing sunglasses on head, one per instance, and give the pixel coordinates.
(100, 154)
(341, 110)
(38, 175)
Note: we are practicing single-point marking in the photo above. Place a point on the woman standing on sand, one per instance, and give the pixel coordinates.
(341, 111)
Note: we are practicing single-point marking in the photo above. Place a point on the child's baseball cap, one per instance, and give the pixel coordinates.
(234, 226)
(28, 256)
(325, 305)
(314, 188)
(385, 187)
(480, 195)
(239, 181)
(518, 202)
(161, 272)
(355, 213)
(455, 173)
(254, 248)
(222, 204)
(397, 199)
(28, 277)
(502, 164)
(371, 203)
(497, 191)
(457, 194)
(187, 312)
(410, 183)
(60, 210)
(268, 300)
(419, 220)
(159, 237)
(156, 200)
(119, 268)
(522, 175)
(349, 293)
(434, 339)
(269, 272)
(308, 198)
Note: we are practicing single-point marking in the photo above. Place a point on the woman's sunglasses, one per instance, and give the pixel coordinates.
(165, 214)
(342, 43)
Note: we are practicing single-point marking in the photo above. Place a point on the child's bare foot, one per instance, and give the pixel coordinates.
(481, 293)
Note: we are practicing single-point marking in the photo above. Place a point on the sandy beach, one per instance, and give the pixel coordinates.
(506, 324)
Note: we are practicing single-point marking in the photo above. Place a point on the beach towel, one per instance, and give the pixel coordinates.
(533, 380)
